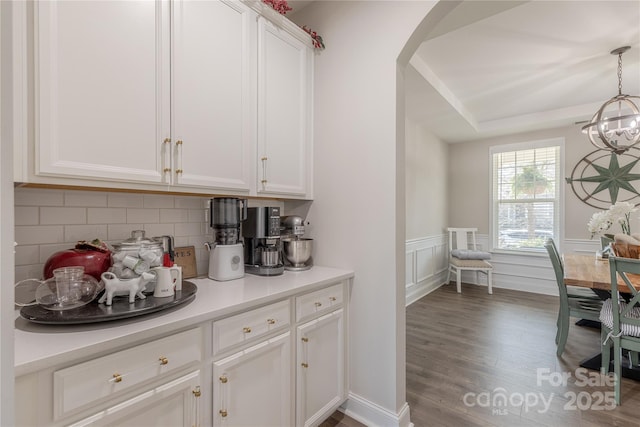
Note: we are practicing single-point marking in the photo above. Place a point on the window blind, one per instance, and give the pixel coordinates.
(526, 197)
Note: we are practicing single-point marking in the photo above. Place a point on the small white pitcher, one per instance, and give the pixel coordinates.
(166, 280)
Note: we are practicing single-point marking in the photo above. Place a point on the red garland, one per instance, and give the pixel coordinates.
(318, 43)
(280, 6)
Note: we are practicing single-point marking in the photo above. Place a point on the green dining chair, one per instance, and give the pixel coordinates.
(574, 301)
(620, 319)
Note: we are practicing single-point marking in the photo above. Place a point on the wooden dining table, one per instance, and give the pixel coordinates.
(588, 271)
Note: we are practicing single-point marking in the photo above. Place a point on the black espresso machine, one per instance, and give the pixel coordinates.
(261, 233)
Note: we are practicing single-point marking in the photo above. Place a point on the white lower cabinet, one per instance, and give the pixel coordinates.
(253, 386)
(320, 369)
(176, 403)
(280, 363)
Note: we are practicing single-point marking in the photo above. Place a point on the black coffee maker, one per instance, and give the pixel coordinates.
(261, 233)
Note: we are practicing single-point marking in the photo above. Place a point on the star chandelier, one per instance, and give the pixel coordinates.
(616, 125)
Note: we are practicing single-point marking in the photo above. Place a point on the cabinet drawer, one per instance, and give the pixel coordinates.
(246, 327)
(108, 376)
(320, 301)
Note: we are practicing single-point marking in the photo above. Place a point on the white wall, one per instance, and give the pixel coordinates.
(427, 195)
(427, 199)
(469, 178)
(6, 220)
(358, 173)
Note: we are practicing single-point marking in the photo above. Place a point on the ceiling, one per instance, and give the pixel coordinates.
(501, 67)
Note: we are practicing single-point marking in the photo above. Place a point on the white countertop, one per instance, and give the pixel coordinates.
(42, 346)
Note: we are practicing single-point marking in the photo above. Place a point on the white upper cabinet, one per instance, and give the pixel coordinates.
(187, 96)
(101, 92)
(213, 67)
(284, 111)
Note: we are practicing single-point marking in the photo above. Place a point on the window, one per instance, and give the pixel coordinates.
(526, 196)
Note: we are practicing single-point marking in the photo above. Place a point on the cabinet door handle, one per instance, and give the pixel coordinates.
(163, 360)
(196, 406)
(117, 378)
(166, 156)
(264, 170)
(223, 396)
(332, 299)
(318, 304)
(246, 330)
(271, 321)
(304, 365)
(305, 339)
(178, 164)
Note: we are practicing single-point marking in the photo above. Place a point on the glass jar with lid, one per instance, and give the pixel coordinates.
(135, 255)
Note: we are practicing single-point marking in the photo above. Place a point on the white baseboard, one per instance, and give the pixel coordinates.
(419, 290)
(374, 415)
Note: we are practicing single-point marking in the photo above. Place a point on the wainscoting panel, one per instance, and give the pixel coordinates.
(426, 266)
(427, 261)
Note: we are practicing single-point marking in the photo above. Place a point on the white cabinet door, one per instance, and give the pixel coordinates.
(253, 387)
(102, 89)
(213, 90)
(321, 365)
(176, 403)
(284, 113)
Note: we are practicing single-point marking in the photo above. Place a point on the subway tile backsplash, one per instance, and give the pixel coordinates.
(48, 221)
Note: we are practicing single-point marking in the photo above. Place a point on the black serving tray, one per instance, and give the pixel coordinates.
(119, 309)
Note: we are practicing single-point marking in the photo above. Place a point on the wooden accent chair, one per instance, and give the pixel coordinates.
(620, 319)
(459, 239)
(574, 301)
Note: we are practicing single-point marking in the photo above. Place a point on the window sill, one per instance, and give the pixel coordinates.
(539, 254)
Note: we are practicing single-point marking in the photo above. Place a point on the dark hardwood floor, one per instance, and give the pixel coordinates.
(480, 346)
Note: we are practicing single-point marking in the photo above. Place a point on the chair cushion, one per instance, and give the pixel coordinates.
(606, 317)
(469, 263)
(470, 254)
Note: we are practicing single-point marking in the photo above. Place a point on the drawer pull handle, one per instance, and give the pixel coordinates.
(223, 413)
(271, 321)
(305, 339)
(246, 330)
(197, 392)
(305, 365)
(332, 299)
(117, 378)
(163, 360)
(223, 379)
(318, 304)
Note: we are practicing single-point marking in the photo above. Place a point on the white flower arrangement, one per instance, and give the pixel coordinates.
(619, 213)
